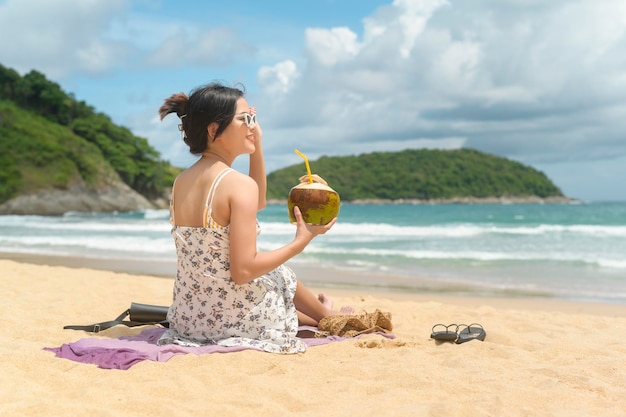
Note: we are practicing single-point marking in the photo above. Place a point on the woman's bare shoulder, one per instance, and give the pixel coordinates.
(239, 182)
(191, 178)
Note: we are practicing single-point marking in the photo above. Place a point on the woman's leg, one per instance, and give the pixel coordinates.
(304, 320)
(312, 308)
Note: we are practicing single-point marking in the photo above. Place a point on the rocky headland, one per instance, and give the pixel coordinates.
(111, 198)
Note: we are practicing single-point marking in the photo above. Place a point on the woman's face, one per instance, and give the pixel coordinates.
(238, 137)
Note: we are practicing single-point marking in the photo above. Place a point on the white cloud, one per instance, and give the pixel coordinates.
(523, 81)
(59, 37)
(414, 15)
(328, 47)
(68, 37)
(458, 67)
(278, 79)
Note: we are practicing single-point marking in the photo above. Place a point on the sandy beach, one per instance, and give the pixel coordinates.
(541, 357)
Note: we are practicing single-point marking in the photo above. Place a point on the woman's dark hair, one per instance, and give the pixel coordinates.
(212, 103)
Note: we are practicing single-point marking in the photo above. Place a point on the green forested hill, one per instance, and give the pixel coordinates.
(419, 174)
(36, 154)
(50, 140)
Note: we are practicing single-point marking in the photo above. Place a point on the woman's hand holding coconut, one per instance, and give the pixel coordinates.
(307, 231)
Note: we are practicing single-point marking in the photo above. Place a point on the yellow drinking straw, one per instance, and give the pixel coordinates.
(306, 162)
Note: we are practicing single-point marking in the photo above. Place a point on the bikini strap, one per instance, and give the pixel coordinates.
(208, 206)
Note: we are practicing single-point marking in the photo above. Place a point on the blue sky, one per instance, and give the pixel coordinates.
(540, 82)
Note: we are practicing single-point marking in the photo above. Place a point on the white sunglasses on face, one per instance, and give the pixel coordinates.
(249, 119)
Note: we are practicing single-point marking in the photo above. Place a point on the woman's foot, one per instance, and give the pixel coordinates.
(329, 304)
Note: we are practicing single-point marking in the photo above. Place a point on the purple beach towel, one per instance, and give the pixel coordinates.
(126, 351)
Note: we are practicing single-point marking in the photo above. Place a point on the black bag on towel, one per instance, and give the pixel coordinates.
(138, 314)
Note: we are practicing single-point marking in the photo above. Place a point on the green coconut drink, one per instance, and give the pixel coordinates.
(318, 202)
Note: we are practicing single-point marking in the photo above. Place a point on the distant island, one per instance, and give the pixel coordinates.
(58, 154)
(419, 176)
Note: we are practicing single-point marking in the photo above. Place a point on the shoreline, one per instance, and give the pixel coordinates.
(347, 283)
(155, 268)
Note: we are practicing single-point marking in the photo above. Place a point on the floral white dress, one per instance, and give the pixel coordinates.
(209, 308)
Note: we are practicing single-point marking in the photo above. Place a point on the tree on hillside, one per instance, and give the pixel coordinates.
(133, 158)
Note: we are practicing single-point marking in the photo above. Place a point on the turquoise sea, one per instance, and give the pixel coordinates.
(569, 251)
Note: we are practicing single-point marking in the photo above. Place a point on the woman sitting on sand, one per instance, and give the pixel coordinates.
(225, 291)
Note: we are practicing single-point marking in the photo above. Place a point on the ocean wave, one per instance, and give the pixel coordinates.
(577, 229)
(149, 214)
(84, 224)
(85, 244)
(160, 214)
(387, 255)
(612, 263)
(157, 221)
(382, 230)
(104, 227)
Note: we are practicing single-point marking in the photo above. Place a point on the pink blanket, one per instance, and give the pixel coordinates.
(126, 351)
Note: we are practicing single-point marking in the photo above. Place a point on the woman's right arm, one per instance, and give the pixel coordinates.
(246, 263)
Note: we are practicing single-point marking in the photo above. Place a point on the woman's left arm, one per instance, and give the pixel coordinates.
(257, 166)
